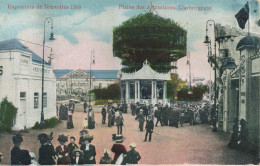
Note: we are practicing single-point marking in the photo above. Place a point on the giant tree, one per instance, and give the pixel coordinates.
(149, 36)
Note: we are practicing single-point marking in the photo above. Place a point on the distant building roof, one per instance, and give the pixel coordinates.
(248, 41)
(145, 73)
(99, 74)
(14, 44)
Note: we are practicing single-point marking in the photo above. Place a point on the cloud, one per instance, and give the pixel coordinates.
(74, 56)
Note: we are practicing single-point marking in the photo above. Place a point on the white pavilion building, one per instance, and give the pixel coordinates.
(144, 86)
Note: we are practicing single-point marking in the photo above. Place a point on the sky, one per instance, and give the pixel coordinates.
(79, 31)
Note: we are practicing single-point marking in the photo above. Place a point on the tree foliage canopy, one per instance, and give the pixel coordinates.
(173, 86)
(196, 95)
(111, 92)
(149, 36)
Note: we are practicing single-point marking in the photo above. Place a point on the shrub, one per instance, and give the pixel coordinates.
(48, 123)
(7, 114)
(104, 102)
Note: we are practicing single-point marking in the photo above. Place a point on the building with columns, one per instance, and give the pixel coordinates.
(144, 86)
(76, 83)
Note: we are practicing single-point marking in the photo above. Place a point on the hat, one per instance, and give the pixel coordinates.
(133, 145)
(141, 110)
(84, 131)
(43, 137)
(106, 152)
(118, 138)
(72, 138)
(77, 150)
(17, 138)
(62, 138)
(89, 138)
(50, 137)
(243, 122)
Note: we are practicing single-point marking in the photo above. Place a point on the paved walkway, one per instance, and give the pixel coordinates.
(185, 145)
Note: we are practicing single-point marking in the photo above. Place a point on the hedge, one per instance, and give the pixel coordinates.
(7, 114)
(48, 123)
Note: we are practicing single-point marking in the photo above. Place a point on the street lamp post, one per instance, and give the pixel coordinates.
(207, 41)
(91, 61)
(188, 63)
(43, 63)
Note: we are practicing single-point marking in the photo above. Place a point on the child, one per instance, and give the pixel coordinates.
(85, 122)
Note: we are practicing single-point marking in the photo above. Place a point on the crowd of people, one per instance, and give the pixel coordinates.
(63, 154)
(84, 152)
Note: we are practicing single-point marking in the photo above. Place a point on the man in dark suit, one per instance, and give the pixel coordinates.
(18, 156)
(104, 114)
(158, 115)
(149, 128)
(132, 156)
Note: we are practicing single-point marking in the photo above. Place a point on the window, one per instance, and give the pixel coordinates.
(44, 99)
(22, 95)
(36, 100)
(1, 70)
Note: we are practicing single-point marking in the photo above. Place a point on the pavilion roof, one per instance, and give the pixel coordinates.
(145, 73)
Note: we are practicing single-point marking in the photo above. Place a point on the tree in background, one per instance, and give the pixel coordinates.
(7, 114)
(173, 86)
(110, 92)
(193, 94)
(149, 36)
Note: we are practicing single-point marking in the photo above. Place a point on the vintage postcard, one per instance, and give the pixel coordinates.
(150, 82)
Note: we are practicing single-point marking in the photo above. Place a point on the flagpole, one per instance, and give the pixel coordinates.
(248, 19)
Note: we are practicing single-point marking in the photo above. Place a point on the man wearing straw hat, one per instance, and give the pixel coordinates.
(132, 156)
(106, 159)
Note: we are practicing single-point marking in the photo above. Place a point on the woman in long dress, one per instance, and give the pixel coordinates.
(70, 121)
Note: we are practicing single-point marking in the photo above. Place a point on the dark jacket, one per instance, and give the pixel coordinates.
(149, 126)
(132, 157)
(46, 155)
(71, 148)
(140, 117)
(64, 160)
(20, 157)
(73, 160)
(118, 148)
(87, 154)
(104, 112)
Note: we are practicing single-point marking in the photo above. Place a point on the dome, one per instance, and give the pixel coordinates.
(248, 41)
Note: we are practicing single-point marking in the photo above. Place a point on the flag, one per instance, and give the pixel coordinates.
(242, 16)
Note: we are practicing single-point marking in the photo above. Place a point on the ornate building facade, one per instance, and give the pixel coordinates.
(238, 86)
(77, 83)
